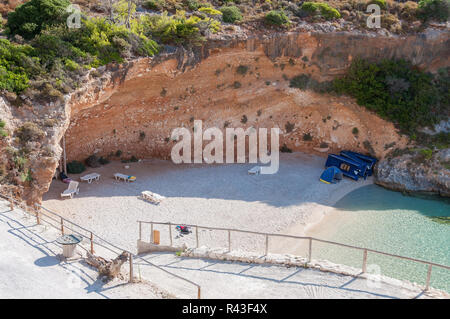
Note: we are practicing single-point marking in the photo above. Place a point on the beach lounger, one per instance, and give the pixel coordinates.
(71, 190)
(90, 177)
(254, 170)
(152, 197)
(125, 178)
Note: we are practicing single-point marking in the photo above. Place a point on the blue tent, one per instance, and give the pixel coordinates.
(331, 174)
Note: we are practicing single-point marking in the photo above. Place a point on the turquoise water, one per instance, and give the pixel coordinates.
(380, 219)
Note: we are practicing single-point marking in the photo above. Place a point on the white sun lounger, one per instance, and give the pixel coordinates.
(254, 170)
(152, 197)
(71, 190)
(90, 177)
(123, 177)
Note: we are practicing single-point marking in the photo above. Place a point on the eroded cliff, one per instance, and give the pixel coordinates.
(232, 81)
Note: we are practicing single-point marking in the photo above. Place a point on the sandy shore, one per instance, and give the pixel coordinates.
(289, 202)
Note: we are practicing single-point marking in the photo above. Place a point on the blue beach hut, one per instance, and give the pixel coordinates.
(369, 160)
(331, 175)
(349, 167)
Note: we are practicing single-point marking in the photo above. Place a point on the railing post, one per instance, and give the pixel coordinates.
(364, 265)
(310, 250)
(131, 267)
(140, 230)
(38, 220)
(427, 286)
(267, 244)
(151, 233)
(62, 226)
(170, 233)
(198, 293)
(92, 243)
(229, 240)
(196, 235)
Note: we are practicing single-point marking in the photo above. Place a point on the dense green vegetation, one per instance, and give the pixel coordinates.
(55, 56)
(231, 14)
(178, 28)
(381, 3)
(434, 10)
(75, 167)
(277, 17)
(399, 92)
(322, 9)
(29, 19)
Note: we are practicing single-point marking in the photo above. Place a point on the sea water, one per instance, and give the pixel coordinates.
(376, 218)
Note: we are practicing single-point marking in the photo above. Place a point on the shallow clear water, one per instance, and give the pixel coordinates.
(388, 221)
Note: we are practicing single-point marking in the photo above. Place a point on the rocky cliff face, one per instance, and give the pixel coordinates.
(232, 81)
(411, 173)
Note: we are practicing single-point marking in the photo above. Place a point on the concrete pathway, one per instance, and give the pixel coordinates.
(224, 279)
(31, 268)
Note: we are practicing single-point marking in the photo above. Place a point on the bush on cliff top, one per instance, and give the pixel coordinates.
(14, 66)
(320, 8)
(434, 10)
(52, 62)
(30, 18)
(178, 28)
(231, 14)
(277, 17)
(398, 91)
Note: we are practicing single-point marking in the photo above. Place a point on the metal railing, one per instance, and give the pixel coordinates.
(41, 213)
(267, 236)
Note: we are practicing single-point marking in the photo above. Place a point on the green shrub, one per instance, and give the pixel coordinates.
(434, 10)
(93, 161)
(157, 5)
(289, 127)
(426, 153)
(3, 132)
(398, 91)
(320, 8)
(30, 18)
(192, 4)
(178, 28)
(210, 11)
(231, 14)
(381, 3)
(16, 66)
(300, 81)
(242, 69)
(285, 149)
(304, 81)
(75, 167)
(277, 17)
(307, 137)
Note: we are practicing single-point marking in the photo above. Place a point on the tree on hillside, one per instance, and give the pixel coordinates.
(30, 18)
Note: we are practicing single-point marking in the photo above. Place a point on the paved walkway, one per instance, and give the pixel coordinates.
(224, 279)
(30, 266)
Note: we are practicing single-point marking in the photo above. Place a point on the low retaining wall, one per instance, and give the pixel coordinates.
(144, 247)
